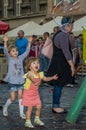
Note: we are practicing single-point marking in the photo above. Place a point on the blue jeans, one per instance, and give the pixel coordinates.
(44, 63)
(57, 91)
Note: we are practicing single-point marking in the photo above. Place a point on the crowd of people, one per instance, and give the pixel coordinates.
(53, 58)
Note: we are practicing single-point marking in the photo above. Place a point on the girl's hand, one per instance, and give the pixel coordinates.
(55, 77)
(30, 39)
(30, 76)
(5, 38)
(37, 83)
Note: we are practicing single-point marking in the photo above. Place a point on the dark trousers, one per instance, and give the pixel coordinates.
(44, 63)
(57, 91)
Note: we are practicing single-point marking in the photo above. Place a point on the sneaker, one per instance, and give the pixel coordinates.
(70, 85)
(74, 83)
(29, 124)
(5, 112)
(38, 122)
(1, 107)
(22, 116)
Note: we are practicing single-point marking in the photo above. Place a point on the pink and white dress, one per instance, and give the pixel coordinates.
(31, 94)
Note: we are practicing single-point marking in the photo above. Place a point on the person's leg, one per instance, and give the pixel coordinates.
(41, 62)
(37, 116)
(46, 66)
(57, 91)
(21, 107)
(73, 81)
(28, 118)
(8, 102)
(44, 63)
(38, 110)
(28, 113)
(56, 96)
(43, 67)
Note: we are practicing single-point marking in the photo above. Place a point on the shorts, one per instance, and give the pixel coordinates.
(15, 87)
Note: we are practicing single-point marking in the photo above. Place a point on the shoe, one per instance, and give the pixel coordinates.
(22, 116)
(5, 112)
(38, 122)
(1, 107)
(70, 85)
(29, 124)
(74, 83)
(62, 112)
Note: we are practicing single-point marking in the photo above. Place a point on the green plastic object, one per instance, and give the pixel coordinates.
(77, 104)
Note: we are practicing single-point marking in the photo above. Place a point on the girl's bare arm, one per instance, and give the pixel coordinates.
(54, 77)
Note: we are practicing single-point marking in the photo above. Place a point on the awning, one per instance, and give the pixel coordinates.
(4, 27)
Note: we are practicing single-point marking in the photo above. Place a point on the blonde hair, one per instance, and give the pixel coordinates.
(28, 63)
(12, 47)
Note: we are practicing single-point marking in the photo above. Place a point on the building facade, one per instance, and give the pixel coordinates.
(18, 12)
(12, 8)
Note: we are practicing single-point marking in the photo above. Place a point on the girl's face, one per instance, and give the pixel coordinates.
(14, 53)
(35, 66)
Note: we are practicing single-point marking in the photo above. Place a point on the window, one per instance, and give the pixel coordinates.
(43, 5)
(26, 7)
(10, 3)
(26, 3)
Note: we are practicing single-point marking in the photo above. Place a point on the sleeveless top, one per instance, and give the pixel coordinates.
(28, 82)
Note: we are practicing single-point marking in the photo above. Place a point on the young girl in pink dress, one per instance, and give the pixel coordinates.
(31, 96)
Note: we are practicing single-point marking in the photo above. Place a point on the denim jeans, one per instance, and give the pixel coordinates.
(15, 87)
(56, 96)
(44, 63)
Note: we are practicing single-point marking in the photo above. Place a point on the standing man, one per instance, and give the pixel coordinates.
(21, 42)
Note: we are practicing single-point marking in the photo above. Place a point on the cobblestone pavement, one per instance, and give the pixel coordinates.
(52, 121)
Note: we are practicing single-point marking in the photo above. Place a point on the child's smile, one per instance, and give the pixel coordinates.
(35, 66)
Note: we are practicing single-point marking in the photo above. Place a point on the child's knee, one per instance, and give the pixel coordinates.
(38, 107)
(12, 99)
